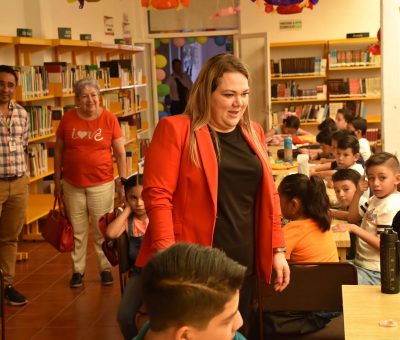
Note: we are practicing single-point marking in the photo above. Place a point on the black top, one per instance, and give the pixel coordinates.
(239, 176)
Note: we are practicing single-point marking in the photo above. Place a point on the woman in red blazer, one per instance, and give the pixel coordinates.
(207, 179)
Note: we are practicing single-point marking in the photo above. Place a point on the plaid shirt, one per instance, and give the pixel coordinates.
(13, 163)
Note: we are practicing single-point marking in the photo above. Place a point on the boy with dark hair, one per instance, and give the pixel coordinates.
(328, 123)
(192, 292)
(343, 118)
(347, 153)
(383, 174)
(345, 182)
(359, 126)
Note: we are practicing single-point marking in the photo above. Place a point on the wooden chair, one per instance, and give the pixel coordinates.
(313, 287)
(3, 319)
(124, 262)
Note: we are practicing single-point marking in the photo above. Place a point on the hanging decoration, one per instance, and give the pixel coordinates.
(165, 4)
(286, 6)
(201, 40)
(224, 12)
(178, 42)
(82, 2)
(220, 40)
(190, 40)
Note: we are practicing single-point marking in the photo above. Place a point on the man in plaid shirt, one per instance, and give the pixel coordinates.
(14, 128)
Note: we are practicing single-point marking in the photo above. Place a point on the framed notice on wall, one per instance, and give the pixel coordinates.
(108, 25)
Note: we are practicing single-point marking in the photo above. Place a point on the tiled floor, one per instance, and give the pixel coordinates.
(56, 311)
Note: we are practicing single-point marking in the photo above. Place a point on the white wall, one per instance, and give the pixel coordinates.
(330, 19)
(45, 16)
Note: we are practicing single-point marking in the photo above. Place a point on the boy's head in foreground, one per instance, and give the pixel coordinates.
(383, 174)
(345, 183)
(192, 292)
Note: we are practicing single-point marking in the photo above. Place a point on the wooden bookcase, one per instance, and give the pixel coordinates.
(350, 69)
(139, 94)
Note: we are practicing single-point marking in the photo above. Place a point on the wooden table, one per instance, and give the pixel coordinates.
(364, 307)
(342, 240)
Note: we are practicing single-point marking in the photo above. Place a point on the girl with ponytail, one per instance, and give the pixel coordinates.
(305, 203)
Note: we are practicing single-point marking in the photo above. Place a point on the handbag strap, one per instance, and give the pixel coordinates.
(61, 205)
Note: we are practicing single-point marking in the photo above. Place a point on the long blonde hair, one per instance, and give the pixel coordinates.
(199, 103)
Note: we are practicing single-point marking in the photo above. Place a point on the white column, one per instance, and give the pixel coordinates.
(390, 48)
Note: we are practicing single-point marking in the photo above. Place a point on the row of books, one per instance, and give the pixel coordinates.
(38, 160)
(306, 113)
(354, 87)
(40, 118)
(298, 66)
(356, 107)
(348, 58)
(126, 130)
(35, 80)
(373, 135)
(290, 91)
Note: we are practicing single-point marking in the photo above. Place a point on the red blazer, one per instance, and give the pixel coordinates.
(181, 199)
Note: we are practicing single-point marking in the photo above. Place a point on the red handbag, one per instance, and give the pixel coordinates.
(58, 229)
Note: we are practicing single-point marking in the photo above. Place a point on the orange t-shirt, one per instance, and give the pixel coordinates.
(87, 155)
(305, 242)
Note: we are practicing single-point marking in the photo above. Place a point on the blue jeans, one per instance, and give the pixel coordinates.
(368, 277)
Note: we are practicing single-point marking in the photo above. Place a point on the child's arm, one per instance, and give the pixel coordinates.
(372, 240)
(270, 133)
(301, 132)
(326, 174)
(323, 167)
(354, 214)
(117, 227)
(339, 214)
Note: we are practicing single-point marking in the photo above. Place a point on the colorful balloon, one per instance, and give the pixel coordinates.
(162, 114)
(165, 40)
(162, 90)
(157, 43)
(220, 40)
(178, 42)
(161, 61)
(190, 40)
(160, 74)
(201, 40)
(160, 106)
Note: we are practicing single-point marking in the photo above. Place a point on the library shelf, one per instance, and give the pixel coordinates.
(50, 171)
(39, 206)
(353, 68)
(289, 101)
(40, 138)
(34, 99)
(298, 77)
(298, 43)
(4, 41)
(353, 41)
(342, 99)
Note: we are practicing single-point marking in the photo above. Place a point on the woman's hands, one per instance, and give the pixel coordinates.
(282, 271)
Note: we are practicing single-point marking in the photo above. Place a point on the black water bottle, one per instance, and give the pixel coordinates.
(390, 262)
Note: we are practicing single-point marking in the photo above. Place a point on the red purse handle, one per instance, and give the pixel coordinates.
(61, 205)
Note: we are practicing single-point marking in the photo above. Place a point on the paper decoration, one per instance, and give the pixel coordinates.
(286, 6)
(161, 61)
(224, 12)
(165, 4)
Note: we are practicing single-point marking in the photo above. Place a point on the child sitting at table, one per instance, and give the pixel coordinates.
(304, 201)
(327, 123)
(345, 183)
(289, 126)
(346, 155)
(359, 126)
(343, 118)
(325, 153)
(383, 174)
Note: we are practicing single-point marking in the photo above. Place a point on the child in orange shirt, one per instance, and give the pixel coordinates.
(133, 219)
(308, 238)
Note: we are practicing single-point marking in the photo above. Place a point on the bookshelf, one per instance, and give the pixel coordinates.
(350, 78)
(298, 80)
(41, 95)
(354, 78)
